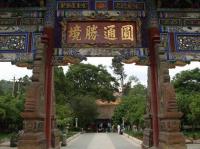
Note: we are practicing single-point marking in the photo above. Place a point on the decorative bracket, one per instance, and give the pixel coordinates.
(70, 56)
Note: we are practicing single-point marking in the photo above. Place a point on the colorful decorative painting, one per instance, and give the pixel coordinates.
(13, 42)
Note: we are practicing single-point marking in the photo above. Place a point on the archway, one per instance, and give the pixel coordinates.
(162, 44)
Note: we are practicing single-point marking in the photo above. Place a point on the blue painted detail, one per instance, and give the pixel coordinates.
(170, 57)
(50, 14)
(58, 33)
(34, 36)
(59, 54)
(126, 54)
(25, 50)
(195, 35)
(72, 0)
(92, 5)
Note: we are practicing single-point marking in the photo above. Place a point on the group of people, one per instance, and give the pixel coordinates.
(106, 127)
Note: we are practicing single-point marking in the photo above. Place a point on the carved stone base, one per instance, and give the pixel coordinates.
(172, 140)
(147, 139)
(55, 139)
(174, 146)
(147, 134)
(32, 141)
(153, 147)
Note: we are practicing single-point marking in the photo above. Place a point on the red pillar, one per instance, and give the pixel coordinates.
(153, 37)
(49, 31)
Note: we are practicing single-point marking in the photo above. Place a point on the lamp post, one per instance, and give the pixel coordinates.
(76, 122)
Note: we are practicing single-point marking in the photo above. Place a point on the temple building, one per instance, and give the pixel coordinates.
(105, 110)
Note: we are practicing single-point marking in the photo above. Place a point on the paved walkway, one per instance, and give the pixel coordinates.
(108, 141)
(102, 141)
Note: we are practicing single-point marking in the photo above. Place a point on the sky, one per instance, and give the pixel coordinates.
(8, 71)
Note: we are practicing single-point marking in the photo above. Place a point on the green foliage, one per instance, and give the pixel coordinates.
(136, 134)
(85, 109)
(12, 106)
(4, 136)
(194, 106)
(64, 115)
(87, 79)
(10, 109)
(187, 81)
(22, 84)
(78, 89)
(5, 87)
(191, 134)
(132, 107)
(187, 86)
(62, 86)
(127, 86)
(118, 69)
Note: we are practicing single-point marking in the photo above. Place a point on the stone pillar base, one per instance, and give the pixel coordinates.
(170, 140)
(32, 141)
(147, 139)
(174, 146)
(55, 139)
(153, 147)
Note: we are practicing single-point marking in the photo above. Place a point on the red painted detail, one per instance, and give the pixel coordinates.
(172, 43)
(153, 39)
(48, 38)
(101, 5)
(45, 39)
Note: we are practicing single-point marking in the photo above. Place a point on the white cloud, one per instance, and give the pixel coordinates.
(174, 71)
(8, 71)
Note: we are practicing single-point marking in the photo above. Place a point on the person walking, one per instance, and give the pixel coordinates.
(118, 129)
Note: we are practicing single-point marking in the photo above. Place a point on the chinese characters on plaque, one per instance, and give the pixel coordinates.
(115, 33)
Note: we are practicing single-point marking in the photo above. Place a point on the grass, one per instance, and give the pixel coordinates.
(189, 134)
(4, 136)
(192, 134)
(136, 134)
(71, 133)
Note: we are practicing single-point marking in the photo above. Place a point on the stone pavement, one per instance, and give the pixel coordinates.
(102, 141)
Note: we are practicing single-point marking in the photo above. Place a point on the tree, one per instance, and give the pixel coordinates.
(187, 81)
(187, 86)
(87, 79)
(62, 86)
(79, 88)
(85, 109)
(5, 87)
(127, 86)
(11, 107)
(194, 116)
(23, 83)
(132, 107)
(10, 113)
(64, 114)
(118, 69)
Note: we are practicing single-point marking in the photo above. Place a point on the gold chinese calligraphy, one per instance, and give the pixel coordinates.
(101, 33)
